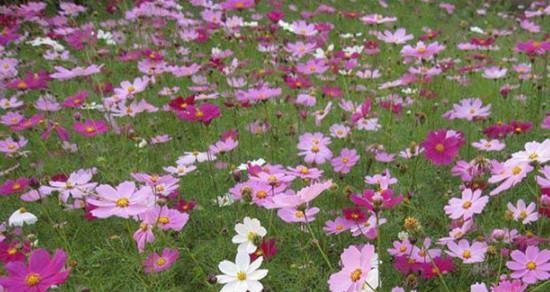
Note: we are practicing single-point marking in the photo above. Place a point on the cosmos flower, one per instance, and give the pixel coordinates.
(249, 235)
(90, 128)
(474, 253)
(472, 202)
(359, 266)
(123, 201)
(41, 273)
(155, 262)
(530, 266)
(241, 276)
(441, 148)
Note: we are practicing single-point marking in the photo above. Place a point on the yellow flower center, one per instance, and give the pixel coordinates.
(11, 146)
(531, 265)
(261, 194)
(32, 279)
(199, 114)
(439, 147)
(466, 254)
(516, 170)
(22, 84)
(12, 251)
(163, 220)
(122, 203)
(467, 204)
(345, 159)
(533, 156)
(315, 149)
(522, 215)
(241, 276)
(161, 262)
(422, 49)
(356, 275)
(131, 89)
(90, 129)
(299, 214)
(159, 188)
(239, 4)
(402, 248)
(304, 170)
(339, 227)
(272, 179)
(251, 236)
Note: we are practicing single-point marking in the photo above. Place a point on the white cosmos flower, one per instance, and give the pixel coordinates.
(249, 233)
(257, 162)
(242, 275)
(372, 281)
(21, 217)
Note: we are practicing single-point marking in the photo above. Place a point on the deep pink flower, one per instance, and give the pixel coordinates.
(441, 148)
(374, 201)
(90, 128)
(204, 113)
(14, 186)
(39, 275)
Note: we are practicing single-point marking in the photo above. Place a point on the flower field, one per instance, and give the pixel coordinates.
(271, 145)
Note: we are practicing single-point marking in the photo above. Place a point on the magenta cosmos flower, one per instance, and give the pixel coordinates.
(374, 201)
(124, 201)
(90, 128)
(39, 275)
(157, 263)
(204, 113)
(357, 266)
(531, 266)
(441, 148)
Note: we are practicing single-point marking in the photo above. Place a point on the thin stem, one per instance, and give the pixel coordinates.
(325, 257)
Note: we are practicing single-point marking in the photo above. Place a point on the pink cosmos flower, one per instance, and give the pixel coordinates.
(300, 49)
(312, 66)
(305, 172)
(345, 161)
(401, 248)
(144, 235)
(156, 263)
(398, 37)
(422, 50)
(90, 128)
(124, 201)
(166, 218)
(441, 149)
(66, 74)
(10, 145)
(303, 28)
(532, 47)
(472, 202)
(358, 266)
(530, 266)
(293, 215)
(11, 118)
(339, 131)
(377, 19)
(314, 148)
(469, 254)
(494, 72)
(510, 174)
(522, 213)
(304, 195)
(78, 185)
(41, 273)
(337, 226)
(469, 109)
(489, 145)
